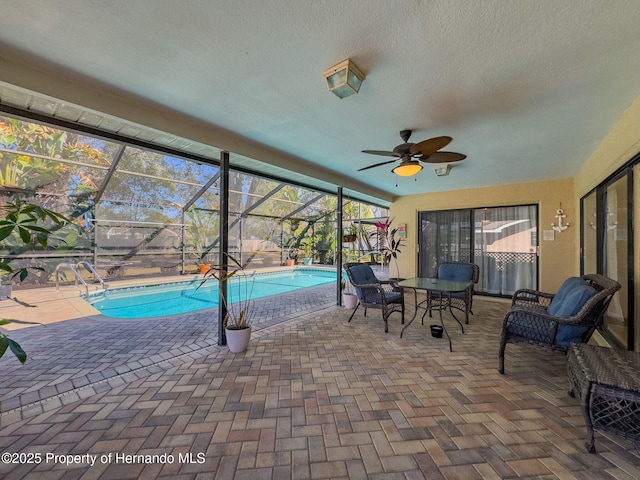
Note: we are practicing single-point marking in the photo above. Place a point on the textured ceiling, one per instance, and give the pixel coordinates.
(527, 89)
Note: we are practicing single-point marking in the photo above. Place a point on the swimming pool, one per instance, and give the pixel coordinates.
(182, 297)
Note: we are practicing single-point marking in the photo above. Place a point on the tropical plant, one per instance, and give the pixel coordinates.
(24, 222)
(239, 312)
(307, 247)
(22, 225)
(390, 246)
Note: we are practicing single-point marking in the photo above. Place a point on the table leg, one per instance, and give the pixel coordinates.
(444, 329)
(454, 315)
(415, 313)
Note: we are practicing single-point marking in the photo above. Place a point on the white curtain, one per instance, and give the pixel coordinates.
(614, 312)
(506, 248)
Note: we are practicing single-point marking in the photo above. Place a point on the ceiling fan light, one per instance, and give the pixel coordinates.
(406, 169)
(344, 79)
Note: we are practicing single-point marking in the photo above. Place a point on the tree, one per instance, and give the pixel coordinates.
(24, 223)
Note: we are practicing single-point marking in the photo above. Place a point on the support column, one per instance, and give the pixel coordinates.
(223, 247)
(339, 247)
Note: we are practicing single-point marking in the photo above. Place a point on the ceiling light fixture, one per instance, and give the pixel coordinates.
(407, 168)
(443, 170)
(343, 79)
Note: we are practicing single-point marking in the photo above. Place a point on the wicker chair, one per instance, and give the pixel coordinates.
(556, 321)
(462, 271)
(374, 293)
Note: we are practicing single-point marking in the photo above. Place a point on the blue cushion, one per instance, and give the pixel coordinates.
(566, 287)
(363, 275)
(460, 272)
(572, 302)
(392, 297)
(568, 334)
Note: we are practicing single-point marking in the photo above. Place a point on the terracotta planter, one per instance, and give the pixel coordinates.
(238, 340)
(290, 262)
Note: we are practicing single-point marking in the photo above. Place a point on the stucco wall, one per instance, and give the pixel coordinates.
(618, 147)
(557, 258)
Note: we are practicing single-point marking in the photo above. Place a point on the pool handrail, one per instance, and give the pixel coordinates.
(374, 252)
(75, 273)
(96, 276)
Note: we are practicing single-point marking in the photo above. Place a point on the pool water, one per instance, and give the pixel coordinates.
(183, 297)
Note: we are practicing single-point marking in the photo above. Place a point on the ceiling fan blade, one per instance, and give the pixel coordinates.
(376, 165)
(442, 157)
(381, 152)
(427, 147)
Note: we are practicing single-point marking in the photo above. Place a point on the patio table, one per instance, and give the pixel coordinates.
(436, 288)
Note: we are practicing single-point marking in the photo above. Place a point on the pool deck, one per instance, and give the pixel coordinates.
(105, 347)
(313, 397)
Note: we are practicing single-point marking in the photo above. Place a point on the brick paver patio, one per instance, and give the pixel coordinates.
(313, 397)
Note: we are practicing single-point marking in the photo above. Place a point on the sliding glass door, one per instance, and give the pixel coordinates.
(445, 236)
(502, 241)
(610, 246)
(507, 248)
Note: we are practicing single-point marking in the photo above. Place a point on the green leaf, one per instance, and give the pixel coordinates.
(23, 274)
(4, 343)
(25, 236)
(42, 240)
(35, 228)
(5, 231)
(17, 351)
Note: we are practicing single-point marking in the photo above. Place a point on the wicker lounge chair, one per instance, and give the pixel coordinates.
(374, 293)
(556, 321)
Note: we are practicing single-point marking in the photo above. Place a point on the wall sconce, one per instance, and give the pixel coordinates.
(344, 79)
(560, 215)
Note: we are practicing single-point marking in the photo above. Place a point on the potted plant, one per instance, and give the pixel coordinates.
(351, 235)
(390, 246)
(307, 249)
(239, 303)
(292, 257)
(349, 299)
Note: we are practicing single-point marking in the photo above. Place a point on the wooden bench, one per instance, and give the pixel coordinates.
(607, 383)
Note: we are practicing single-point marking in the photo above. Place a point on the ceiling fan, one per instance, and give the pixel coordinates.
(410, 154)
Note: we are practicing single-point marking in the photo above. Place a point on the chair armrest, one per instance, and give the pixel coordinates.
(529, 323)
(371, 292)
(390, 285)
(531, 298)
